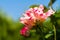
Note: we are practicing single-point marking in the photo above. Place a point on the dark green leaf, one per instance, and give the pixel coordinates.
(51, 2)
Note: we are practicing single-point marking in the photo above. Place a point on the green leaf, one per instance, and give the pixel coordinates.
(48, 35)
(32, 6)
(51, 2)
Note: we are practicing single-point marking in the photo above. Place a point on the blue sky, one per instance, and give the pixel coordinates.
(15, 8)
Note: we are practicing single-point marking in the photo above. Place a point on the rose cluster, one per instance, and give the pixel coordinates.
(30, 17)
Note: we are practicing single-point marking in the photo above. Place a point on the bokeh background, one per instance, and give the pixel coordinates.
(12, 10)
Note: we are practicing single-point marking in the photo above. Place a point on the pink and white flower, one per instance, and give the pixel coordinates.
(33, 14)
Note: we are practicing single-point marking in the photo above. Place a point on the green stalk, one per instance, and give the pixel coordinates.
(54, 32)
(39, 25)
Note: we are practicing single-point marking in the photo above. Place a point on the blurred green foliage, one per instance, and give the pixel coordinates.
(9, 29)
